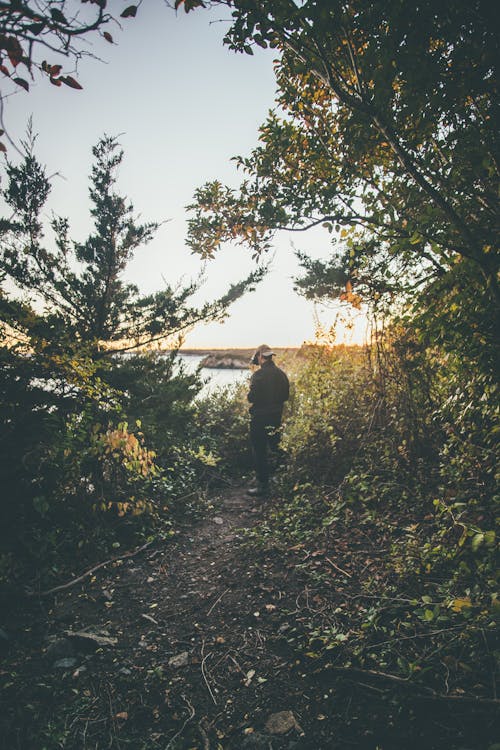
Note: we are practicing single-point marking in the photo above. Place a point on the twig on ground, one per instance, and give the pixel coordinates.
(235, 664)
(186, 722)
(204, 738)
(89, 572)
(216, 602)
(381, 597)
(417, 635)
(203, 671)
(337, 567)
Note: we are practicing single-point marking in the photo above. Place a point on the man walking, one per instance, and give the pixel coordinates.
(269, 389)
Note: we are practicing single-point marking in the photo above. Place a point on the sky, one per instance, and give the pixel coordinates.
(182, 105)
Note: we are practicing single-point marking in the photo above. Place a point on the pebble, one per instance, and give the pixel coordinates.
(179, 660)
(282, 722)
(59, 648)
(64, 663)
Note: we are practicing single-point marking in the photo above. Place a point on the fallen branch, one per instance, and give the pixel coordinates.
(89, 572)
(401, 682)
(366, 673)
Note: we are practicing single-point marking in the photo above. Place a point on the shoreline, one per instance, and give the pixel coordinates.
(230, 358)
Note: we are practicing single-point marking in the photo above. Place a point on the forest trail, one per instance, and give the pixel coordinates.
(194, 644)
(196, 656)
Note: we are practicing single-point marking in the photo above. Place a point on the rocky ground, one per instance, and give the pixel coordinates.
(194, 644)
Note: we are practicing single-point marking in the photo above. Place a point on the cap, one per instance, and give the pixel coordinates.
(266, 351)
(263, 350)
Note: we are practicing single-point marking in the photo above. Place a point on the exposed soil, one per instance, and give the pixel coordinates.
(207, 630)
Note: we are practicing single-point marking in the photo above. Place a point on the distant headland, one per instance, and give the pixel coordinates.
(228, 359)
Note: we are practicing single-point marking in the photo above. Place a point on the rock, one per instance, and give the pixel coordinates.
(64, 663)
(224, 362)
(59, 648)
(219, 521)
(179, 660)
(91, 638)
(282, 722)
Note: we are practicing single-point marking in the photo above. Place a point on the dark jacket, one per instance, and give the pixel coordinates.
(269, 389)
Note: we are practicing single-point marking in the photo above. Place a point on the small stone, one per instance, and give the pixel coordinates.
(97, 640)
(59, 648)
(282, 722)
(64, 663)
(218, 520)
(179, 660)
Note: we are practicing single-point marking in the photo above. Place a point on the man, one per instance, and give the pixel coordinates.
(269, 389)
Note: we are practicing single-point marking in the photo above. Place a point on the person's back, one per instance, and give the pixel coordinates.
(269, 389)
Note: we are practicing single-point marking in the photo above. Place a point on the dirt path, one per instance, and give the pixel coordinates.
(209, 615)
(201, 651)
(196, 657)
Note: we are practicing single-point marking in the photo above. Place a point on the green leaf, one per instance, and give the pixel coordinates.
(489, 538)
(477, 541)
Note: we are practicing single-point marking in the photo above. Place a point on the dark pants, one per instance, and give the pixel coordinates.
(265, 435)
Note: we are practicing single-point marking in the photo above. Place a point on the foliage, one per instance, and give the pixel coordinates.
(386, 133)
(29, 30)
(411, 499)
(328, 411)
(222, 420)
(69, 397)
(157, 390)
(81, 283)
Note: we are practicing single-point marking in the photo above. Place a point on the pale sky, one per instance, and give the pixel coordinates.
(183, 105)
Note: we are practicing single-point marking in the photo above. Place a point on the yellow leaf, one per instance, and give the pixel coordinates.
(459, 604)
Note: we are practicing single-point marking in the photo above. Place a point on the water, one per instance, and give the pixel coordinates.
(214, 377)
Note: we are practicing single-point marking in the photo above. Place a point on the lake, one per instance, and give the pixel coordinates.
(214, 377)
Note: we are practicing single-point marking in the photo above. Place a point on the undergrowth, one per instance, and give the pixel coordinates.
(387, 507)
